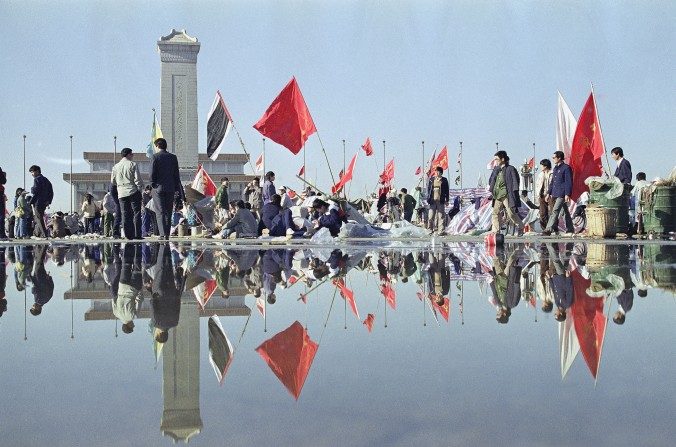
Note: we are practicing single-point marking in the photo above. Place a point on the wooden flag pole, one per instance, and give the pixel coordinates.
(264, 159)
(304, 166)
(422, 169)
(241, 143)
(333, 179)
(596, 112)
(71, 174)
(24, 162)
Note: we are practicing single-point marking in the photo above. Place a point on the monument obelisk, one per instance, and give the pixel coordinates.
(178, 87)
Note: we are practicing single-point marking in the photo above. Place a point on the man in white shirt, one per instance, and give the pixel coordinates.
(126, 177)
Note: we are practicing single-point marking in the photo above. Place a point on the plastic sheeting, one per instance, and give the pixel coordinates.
(616, 186)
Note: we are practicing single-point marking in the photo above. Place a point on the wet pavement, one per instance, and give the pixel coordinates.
(567, 343)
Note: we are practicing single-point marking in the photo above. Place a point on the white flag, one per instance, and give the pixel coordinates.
(565, 127)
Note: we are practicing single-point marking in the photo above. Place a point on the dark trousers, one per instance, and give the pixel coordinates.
(39, 219)
(165, 202)
(131, 215)
(3, 234)
(117, 223)
(89, 225)
(545, 208)
(149, 222)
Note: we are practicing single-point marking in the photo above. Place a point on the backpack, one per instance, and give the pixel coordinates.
(49, 194)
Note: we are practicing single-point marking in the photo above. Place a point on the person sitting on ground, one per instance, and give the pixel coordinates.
(57, 226)
(271, 217)
(243, 223)
(328, 218)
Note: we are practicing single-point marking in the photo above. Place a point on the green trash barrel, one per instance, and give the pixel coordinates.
(621, 204)
(658, 211)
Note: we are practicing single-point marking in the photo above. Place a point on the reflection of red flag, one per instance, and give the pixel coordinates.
(442, 160)
(345, 177)
(588, 148)
(387, 175)
(589, 322)
(367, 147)
(289, 355)
(370, 318)
(444, 309)
(204, 291)
(287, 121)
(418, 171)
(260, 305)
(203, 183)
(347, 295)
(531, 162)
(302, 171)
(389, 294)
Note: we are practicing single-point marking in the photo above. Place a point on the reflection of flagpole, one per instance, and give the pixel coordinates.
(424, 297)
(25, 333)
(462, 303)
(72, 336)
(265, 311)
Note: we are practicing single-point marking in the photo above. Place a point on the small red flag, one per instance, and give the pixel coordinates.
(587, 149)
(259, 163)
(370, 318)
(418, 171)
(346, 177)
(444, 309)
(389, 294)
(203, 183)
(347, 295)
(302, 171)
(442, 160)
(531, 162)
(387, 175)
(287, 121)
(367, 147)
(430, 165)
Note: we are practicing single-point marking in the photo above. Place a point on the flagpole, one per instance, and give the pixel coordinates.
(598, 121)
(24, 162)
(497, 147)
(70, 180)
(263, 157)
(384, 161)
(327, 159)
(241, 143)
(422, 171)
(114, 148)
(304, 166)
(460, 165)
(344, 189)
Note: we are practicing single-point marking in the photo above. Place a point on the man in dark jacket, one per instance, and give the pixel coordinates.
(166, 180)
(623, 170)
(408, 203)
(560, 190)
(42, 197)
(327, 218)
(271, 216)
(437, 198)
(504, 186)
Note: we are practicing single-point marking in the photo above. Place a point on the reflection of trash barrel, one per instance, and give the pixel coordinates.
(621, 204)
(658, 263)
(658, 214)
(600, 256)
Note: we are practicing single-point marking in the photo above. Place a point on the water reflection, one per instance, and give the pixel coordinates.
(172, 286)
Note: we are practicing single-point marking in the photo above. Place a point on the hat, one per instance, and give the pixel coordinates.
(126, 151)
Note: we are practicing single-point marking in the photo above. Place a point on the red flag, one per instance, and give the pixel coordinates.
(302, 171)
(287, 121)
(367, 147)
(589, 322)
(289, 355)
(347, 295)
(335, 189)
(442, 160)
(418, 171)
(259, 163)
(389, 294)
(531, 162)
(387, 175)
(370, 318)
(444, 309)
(588, 148)
(203, 183)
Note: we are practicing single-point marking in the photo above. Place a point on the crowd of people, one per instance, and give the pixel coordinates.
(134, 210)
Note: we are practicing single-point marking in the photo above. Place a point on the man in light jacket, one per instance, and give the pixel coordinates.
(126, 177)
(542, 182)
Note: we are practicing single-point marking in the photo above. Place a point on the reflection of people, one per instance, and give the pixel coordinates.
(561, 284)
(129, 299)
(43, 284)
(625, 300)
(166, 298)
(506, 285)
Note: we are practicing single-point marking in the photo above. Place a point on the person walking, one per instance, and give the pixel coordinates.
(127, 178)
(222, 200)
(560, 189)
(504, 186)
(541, 190)
(42, 196)
(437, 197)
(166, 181)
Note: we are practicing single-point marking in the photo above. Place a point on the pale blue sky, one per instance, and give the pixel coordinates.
(476, 71)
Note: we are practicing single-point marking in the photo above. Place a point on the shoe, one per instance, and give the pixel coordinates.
(546, 233)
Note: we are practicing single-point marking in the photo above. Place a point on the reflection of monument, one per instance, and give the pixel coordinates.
(178, 56)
